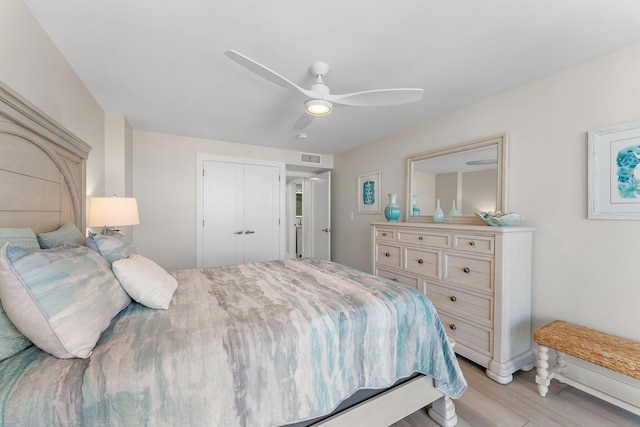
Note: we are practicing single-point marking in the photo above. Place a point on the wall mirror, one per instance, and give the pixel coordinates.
(469, 178)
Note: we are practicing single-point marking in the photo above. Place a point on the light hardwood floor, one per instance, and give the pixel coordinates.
(487, 403)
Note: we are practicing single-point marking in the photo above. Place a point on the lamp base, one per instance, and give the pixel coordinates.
(106, 231)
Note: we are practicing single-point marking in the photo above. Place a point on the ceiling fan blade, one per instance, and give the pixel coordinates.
(378, 98)
(266, 73)
(303, 121)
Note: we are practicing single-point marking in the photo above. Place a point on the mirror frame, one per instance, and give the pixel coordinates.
(501, 188)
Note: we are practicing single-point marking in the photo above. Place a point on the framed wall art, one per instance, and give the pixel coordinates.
(614, 172)
(369, 192)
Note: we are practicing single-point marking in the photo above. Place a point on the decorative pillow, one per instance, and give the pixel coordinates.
(23, 237)
(68, 233)
(145, 281)
(11, 340)
(112, 246)
(61, 299)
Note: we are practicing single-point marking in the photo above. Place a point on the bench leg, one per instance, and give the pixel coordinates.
(561, 365)
(542, 362)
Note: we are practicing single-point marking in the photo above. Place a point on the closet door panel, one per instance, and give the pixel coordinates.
(223, 229)
(261, 213)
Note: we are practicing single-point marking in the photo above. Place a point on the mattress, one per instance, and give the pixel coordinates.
(261, 344)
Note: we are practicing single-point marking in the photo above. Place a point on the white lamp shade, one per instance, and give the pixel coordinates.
(113, 211)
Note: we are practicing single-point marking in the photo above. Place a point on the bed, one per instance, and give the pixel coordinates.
(290, 342)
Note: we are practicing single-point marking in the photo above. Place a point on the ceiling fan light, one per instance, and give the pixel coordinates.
(318, 107)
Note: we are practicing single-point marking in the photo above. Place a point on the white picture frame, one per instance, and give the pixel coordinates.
(614, 172)
(369, 192)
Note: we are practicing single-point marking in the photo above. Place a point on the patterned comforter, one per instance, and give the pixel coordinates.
(259, 344)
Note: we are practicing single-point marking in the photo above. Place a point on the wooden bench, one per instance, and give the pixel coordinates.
(607, 351)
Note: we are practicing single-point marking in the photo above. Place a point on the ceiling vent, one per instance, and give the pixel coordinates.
(310, 158)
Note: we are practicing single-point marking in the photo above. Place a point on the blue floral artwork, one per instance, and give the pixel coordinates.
(369, 193)
(628, 160)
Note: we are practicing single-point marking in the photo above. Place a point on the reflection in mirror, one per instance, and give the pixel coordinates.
(465, 179)
(298, 200)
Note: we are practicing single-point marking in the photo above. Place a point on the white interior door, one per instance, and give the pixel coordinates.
(261, 213)
(223, 222)
(320, 220)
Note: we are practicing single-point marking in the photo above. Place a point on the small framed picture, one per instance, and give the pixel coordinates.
(369, 192)
(614, 172)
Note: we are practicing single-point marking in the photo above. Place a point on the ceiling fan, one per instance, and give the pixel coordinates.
(320, 101)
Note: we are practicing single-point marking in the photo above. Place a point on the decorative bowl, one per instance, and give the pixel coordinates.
(498, 219)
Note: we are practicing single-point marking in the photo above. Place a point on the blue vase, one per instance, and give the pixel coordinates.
(438, 215)
(415, 210)
(453, 211)
(392, 211)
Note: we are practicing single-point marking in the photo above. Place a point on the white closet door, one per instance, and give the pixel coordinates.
(261, 213)
(223, 227)
(241, 213)
(321, 216)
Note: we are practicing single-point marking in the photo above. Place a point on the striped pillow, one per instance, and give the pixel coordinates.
(68, 233)
(111, 246)
(62, 298)
(23, 237)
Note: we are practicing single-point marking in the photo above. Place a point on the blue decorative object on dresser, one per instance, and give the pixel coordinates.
(415, 210)
(392, 211)
(438, 215)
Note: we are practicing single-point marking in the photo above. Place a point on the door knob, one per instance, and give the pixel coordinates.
(326, 230)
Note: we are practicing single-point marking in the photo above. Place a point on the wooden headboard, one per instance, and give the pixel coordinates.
(42, 168)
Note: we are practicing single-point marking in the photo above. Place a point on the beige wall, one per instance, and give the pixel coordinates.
(164, 182)
(31, 65)
(585, 271)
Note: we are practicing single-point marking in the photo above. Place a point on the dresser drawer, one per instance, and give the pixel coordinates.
(423, 262)
(476, 244)
(388, 255)
(407, 280)
(384, 234)
(417, 237)
(466, 334)
(474, 272)
(468, 306)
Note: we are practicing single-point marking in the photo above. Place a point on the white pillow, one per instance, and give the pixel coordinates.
(145, 281)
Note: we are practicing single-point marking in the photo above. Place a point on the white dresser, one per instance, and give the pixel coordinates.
(479, 279)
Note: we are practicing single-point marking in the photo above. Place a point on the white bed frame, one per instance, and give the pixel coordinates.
(42, 186)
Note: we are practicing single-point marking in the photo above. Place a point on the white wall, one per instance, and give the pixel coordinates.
(585, 271)
(33, 66)
(164, 183)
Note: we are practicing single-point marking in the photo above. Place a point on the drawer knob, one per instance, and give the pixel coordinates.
(420, 238)
(472, 243)
(452, 327)
(420, 261)
(384, 234)
(453, 298)
(466, 270)
(387, 254)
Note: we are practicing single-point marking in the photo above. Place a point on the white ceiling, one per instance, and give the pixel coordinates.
(161, 62)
